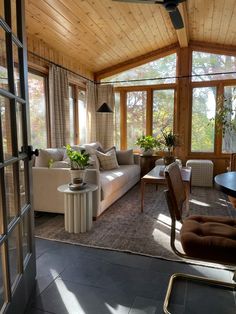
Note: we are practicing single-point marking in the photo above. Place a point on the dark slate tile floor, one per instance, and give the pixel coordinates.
(80, 280)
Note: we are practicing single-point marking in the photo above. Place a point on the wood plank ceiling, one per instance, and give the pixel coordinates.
(103, 33)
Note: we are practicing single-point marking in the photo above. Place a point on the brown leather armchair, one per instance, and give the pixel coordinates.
(205, 238)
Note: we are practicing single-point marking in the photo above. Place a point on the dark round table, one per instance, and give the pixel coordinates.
(226, 182)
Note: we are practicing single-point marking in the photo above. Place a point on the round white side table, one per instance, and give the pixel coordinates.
(78, 208)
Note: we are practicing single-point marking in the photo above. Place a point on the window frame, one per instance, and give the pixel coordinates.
(149, 107)
(47, 104)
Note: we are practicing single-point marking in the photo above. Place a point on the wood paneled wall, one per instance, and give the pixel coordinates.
(40, 48)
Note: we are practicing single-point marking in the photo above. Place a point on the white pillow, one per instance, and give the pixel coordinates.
(47, 155)
(107, 160)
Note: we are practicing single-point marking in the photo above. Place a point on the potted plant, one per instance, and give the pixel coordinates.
(147, 143)
(79, 161)
(170, 141)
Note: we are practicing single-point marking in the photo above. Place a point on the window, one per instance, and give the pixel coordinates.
(146, 74)
(203, 123)
(82, 117)
(37, 103)
(72, 114)
(136, 116)
(77, 114)
(229, 135)
(209, 63)
(163, 110)
(117, 121)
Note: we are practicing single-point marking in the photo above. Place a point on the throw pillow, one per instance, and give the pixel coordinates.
(125, 157)
(94, 162)
(108, 160)
(47, 155)
(100, 149)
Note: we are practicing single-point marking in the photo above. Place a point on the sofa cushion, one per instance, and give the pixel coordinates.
(209, 238)
(107, 160)
(60, 164)
(49, 155)
(92, 147)
(113, 180)
(125, 157)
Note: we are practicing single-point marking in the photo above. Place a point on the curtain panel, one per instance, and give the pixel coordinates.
(105, 121)
(59, 106)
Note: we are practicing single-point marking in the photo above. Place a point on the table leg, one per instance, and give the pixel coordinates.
(142, 194)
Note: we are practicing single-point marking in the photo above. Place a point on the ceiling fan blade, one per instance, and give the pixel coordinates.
(176, 19)
(141, 1)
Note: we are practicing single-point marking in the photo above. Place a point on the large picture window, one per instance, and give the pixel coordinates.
(203, 123)
(209, 66)
(160, 71)
(229, 134)
(163, 111)
(136, 116)
(37, 104)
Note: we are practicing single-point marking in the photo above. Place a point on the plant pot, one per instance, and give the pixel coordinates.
(148, 152)
(77, 173)
(168, 160)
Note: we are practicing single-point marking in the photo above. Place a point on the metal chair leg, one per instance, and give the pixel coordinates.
(203, 280)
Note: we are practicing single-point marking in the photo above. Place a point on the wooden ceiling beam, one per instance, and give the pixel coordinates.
(183, 33)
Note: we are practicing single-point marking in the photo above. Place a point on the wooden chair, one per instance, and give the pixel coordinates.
(197, 239)
(232, 167)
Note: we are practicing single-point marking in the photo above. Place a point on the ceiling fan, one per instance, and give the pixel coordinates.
(171, 7)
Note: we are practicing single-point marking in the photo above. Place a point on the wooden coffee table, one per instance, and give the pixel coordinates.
(154, 177)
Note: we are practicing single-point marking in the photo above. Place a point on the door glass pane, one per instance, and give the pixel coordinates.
(37, 102)
(3, 61)
(19, 122)
(229, 132)
(1, 281)
(10, 193)
(25, 235)
(71, 115)
(82, 117)
(203, 119)
(117, 120)
(22, 183)
(16, 70)
(163, 110)
(13, 17)
(2, 14)
(136, 117)
(13, 255)
(6, 127)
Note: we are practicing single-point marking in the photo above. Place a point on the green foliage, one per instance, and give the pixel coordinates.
(78, 159)
(147, 142)
(169, 140)
(223, 115)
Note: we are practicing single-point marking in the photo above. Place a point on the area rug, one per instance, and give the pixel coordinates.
(123, 227)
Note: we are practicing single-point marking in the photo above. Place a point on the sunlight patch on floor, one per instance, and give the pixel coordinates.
(199, 203)
(68, 298)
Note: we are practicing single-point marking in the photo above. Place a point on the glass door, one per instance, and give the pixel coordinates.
(17, 257)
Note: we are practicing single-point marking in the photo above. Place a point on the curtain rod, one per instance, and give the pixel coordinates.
(167, 77)
(128, 81)
(58, 65)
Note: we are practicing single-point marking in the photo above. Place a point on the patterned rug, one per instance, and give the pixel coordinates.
(123, 227)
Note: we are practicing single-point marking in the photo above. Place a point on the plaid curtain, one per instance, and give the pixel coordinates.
(59, 106)
(105, 121)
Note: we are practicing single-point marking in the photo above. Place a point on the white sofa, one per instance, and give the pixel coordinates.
(112, 184)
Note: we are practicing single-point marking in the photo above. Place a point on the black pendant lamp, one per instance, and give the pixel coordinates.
(104, 108)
